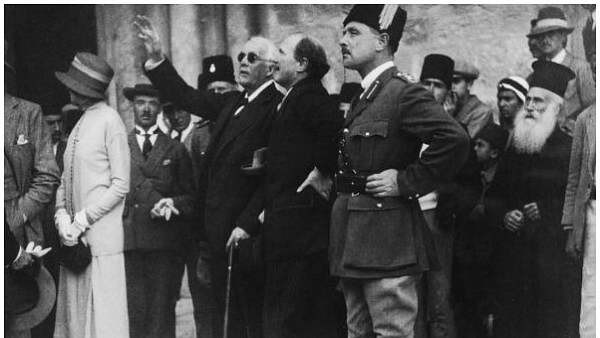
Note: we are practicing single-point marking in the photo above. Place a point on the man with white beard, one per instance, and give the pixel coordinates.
(535, 286)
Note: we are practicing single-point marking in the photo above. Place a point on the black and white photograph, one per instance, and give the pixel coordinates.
(299, 170)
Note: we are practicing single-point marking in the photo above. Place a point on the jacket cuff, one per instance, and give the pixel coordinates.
(27, 210)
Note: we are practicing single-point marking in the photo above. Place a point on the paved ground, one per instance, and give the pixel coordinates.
(184, 326)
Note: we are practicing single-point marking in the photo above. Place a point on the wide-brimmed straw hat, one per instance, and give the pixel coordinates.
(549, 19)
(88, 75)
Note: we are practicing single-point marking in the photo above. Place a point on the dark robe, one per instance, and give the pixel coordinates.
(535, 287)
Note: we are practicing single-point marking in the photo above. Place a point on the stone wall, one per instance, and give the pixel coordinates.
(490, 36)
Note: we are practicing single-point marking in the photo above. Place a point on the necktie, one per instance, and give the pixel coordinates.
(147, 146)
(178, 137)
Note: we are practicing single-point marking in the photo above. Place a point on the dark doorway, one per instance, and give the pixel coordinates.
(44, 39)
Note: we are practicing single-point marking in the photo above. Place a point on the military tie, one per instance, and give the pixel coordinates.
(178, 137)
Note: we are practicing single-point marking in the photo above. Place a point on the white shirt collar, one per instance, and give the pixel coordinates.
(258, 91)
(560, 57)
(184, 133)
(151, 130)
(374, 74)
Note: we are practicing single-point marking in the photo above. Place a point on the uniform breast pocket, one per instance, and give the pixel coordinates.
(364, 139)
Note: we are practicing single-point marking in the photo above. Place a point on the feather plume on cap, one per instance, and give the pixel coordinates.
(387, 16)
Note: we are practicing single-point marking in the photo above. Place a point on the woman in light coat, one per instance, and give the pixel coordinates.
(89, 203)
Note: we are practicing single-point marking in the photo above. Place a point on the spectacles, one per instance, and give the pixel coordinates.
(252, 58)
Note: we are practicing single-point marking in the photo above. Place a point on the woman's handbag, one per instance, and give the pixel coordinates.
(76, 258)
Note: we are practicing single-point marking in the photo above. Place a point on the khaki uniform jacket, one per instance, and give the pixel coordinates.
(388, 237)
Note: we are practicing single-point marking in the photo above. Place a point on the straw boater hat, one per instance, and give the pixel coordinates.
(549, 19)
(88, 75)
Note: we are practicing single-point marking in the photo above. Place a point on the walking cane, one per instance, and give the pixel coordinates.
(228, 290)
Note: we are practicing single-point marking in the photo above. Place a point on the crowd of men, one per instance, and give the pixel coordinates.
(391, 208)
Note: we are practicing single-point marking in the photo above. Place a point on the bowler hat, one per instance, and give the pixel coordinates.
(549, 19)
(39, 283)
(88, 75)
(388, 19)
(551, 76)
(466, 70)
(216, 68)
(439, 67)
(140, 89)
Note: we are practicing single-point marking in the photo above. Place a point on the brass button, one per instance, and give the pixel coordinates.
(367, 134)
(379, 205)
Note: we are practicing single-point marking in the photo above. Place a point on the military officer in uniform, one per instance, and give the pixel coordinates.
(379, 241)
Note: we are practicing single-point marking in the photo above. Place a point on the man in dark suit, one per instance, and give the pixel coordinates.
(301, 164)
(242, 125)
(380, 244)
(161, 195)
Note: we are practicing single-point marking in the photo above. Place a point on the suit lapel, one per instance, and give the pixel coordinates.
(137, 160)
(12, 119)
(246, 118)
(591, 137)
(158, 150)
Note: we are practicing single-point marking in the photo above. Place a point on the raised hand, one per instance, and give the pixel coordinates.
(150, 37)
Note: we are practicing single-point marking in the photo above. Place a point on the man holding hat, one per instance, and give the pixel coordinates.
(536, 287)
(551, 30)
(511, 99)
(30, 171)
(470, 111)
(161, 195)
(379, 242)
(90, 203)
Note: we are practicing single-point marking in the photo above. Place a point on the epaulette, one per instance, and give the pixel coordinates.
(406, 77)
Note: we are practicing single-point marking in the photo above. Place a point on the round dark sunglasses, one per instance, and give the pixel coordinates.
(252, 58)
